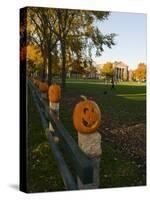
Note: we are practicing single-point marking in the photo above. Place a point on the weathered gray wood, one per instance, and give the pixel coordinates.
(55, 108)
(44, 95)
(90, 144)
(82, 164)
(65, 172)
(95, 183)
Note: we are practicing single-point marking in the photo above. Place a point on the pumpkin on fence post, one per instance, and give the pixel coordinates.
(43, 87)
(37, 82)
(86, 120)
(87, 116)
(54, 95)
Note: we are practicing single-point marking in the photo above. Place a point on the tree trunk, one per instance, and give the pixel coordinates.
(112, 83)
(63, 51)
(44, 68)
(49, 68)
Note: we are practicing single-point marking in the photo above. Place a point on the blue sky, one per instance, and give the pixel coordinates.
(131, 40)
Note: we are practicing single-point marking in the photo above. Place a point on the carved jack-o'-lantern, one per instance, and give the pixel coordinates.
(43, 87)
(54, 93)
(86, 116)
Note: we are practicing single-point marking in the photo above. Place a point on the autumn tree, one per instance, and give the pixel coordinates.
(70, 34)
(36, 37)
(107, 71)
(78, 33)
(34, 58)
(140, 72)
(65, 20)
(44, 21)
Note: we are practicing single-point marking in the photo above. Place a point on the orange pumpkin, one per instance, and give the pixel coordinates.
(54, 93)
(86, 116)
(37, 82)
(43, 87)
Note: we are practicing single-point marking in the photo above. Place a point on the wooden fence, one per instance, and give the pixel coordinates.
(83, 165)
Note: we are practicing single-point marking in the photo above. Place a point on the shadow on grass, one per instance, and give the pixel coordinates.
(126, 103)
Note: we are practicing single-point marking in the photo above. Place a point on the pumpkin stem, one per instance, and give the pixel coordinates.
(83, 97)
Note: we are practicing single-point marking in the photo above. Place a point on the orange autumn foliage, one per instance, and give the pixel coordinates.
(140, 72)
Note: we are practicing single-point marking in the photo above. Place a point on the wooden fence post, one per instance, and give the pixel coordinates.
(54, 94)
(87, 119)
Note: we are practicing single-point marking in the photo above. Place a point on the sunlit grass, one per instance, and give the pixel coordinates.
(134, 97)
(126, 103)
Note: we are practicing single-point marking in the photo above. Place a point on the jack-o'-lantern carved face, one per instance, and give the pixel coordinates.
(54, 93)
(86, 116)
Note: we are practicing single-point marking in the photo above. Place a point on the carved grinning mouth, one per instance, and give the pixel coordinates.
(87, 124)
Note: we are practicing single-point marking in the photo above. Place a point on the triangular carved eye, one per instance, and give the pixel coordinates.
(85, 110)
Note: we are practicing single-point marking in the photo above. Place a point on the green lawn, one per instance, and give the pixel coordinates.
(126, 105)
(42, 172)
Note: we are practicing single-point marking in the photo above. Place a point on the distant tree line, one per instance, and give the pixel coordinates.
(108, 71)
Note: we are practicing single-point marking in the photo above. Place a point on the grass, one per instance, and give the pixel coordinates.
(42, 171)
(125, 104)
(116, 168)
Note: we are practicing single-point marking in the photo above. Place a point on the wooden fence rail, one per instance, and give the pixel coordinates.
(82, 164)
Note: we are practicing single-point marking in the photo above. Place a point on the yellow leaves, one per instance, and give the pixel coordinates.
(140, 72)
(34, 54)
(89, 30)
(107, 69)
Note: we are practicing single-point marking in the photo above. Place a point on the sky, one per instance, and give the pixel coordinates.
(130, 40)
